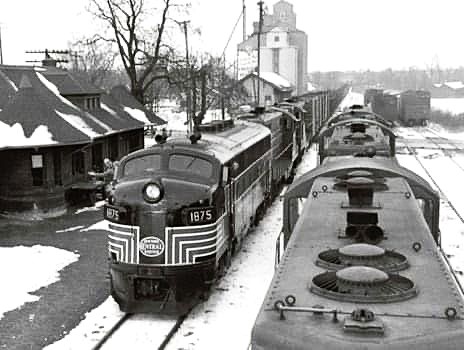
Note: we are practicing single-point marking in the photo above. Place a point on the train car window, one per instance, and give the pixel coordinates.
(421, 203)
(294, 209)
(186, 163)
(142, 165)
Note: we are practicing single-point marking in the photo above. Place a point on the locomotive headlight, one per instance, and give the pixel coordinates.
(152, 192)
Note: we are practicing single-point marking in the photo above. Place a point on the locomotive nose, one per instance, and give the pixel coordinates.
(163, 191)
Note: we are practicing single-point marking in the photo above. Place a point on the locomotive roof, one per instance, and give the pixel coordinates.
(362, 114)
(260, 117)
(418, 320)
(327, 129)
(225, 144)
(386, 167)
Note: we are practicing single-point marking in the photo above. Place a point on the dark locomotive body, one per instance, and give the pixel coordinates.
(178, 209)
(166, 252)
(288, 142)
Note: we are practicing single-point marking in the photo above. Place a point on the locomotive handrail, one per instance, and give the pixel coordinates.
(291, 115)
(376, 117)
(302, 186)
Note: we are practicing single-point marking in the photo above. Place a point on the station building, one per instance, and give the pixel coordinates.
(54, 129)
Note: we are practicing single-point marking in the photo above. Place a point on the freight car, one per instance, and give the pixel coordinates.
(410, 107)
(362, 266)
(414, 107)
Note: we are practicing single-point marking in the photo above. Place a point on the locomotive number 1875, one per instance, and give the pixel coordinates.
(200, 216)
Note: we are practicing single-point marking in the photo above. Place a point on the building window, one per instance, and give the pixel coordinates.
(37, 170)
(275, 60)
(277, 38)
(78, 163)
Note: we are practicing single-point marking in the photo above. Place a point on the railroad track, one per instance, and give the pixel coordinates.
(445, 152)
(105, 343)
(112, 331)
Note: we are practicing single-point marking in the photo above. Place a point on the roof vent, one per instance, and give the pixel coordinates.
(360, 191)
(362, 254)
(362, 226)
(358, 128)
(216, 125)
(367, 180)
(360, 173)
(363, 321)
(363, 284)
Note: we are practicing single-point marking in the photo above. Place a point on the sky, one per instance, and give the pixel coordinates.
(342, 35)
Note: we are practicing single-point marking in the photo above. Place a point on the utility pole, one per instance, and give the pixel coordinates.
(1, 49)
(244, 20)
(260, 28)
(189, 90)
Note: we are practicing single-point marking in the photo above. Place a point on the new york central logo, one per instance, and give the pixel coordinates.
(151, 246)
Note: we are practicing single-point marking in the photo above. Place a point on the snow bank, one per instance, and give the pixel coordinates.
(452, 105)
(41, 265)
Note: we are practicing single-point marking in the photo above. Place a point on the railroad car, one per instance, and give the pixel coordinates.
(410, 107)
(414, 107)
(356, 132)
(288, 138)
(178, 210)
(359, 264)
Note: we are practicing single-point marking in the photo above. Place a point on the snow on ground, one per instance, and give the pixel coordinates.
(94, 207)
(451, 105)
(178, 120)
(41, 265)
(142, 332)
(447, 175)
(446, 133)
(352, 98)
(92, 327)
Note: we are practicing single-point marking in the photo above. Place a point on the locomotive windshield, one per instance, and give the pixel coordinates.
(147, 164)
(191, 164)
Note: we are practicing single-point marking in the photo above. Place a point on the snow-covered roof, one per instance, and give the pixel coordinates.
(310, 87)
(276, 79)
(272, 78)
(33, 107)
(455, 85)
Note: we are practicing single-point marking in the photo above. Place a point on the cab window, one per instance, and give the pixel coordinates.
(190, 164)
(144, 165)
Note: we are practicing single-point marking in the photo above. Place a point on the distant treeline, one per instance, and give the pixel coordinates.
(412, 78)
(448, 120)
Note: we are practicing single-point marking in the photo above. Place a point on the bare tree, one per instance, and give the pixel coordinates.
(141, 48)
(94, 62)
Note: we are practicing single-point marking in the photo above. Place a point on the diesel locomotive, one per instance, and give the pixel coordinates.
(179, 209)
(358, 262)
(356, 132)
